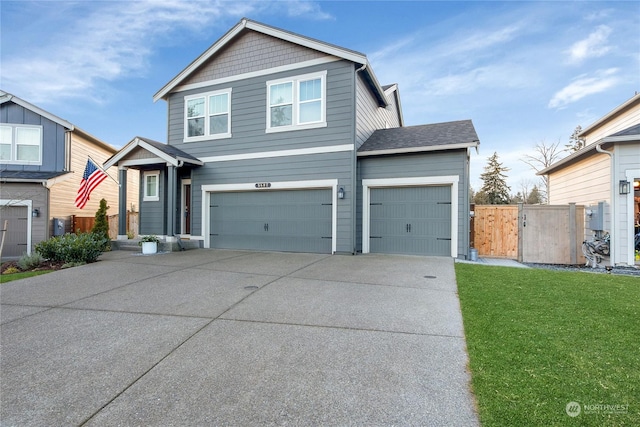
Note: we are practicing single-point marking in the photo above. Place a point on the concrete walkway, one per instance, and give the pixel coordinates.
(212, 337)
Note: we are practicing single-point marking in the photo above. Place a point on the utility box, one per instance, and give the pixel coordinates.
(595, 217)
(58, 226)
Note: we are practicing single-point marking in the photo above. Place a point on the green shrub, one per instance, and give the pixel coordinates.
(29, 262)
(73, 248)
(11, 270)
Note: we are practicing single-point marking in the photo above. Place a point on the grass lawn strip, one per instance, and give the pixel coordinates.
(4, 278)
(539, 339)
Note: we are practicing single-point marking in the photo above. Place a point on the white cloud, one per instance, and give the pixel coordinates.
(583, 86)
(298, 8)
(595, 45)
(114, 41)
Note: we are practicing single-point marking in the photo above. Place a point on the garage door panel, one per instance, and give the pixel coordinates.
(411, 220)
(290, 220)
(15, 243)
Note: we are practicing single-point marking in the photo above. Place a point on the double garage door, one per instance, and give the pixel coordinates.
(282, 220)
(410, 220)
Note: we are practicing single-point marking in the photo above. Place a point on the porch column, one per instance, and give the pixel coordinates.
(172, 184)
(122, 203)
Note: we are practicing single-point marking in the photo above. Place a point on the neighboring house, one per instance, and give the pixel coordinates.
(606, 170)
(42, 159)
(281, 142)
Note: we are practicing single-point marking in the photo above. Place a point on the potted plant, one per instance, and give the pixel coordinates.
(149, 244)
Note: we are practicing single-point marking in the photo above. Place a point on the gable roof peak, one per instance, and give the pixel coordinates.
(245, 23)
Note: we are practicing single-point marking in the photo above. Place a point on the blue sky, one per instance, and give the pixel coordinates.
(524, 72)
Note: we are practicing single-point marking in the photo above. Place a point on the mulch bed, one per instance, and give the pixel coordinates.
(46, 265)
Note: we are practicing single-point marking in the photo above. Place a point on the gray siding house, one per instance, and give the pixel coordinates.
(281, 142)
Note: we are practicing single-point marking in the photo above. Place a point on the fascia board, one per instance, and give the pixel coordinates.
(200, 60)
(418, 149)
(120, 154)
(37, 110)
(271, 31)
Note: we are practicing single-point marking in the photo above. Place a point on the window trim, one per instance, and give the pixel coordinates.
(295, 108)
(146, 197)
(14, 144)
(207, 116)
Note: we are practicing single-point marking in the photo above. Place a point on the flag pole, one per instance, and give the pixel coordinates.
(100, 167)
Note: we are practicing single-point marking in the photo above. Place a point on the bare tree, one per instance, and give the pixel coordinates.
(544, 156)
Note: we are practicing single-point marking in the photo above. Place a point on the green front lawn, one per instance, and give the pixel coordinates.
(539, 339)
(4, 278)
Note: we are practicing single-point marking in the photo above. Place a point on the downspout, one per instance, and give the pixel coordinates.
(612, 240)
(354, 179)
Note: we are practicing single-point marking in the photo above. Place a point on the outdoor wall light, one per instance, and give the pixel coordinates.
(341, 193)
(625, 187)
(35, 213)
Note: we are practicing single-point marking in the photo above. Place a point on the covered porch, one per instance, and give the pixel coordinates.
(165, 188)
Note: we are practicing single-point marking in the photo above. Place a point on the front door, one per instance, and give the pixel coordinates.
(186, 208)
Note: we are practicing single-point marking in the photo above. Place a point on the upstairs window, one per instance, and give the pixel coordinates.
(208, 116)
(296, 102)
(21, 144)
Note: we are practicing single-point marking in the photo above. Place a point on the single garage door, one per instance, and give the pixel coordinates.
(283, 220)
(411, 220)
(15, 240)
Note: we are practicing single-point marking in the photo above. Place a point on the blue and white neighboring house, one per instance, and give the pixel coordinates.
(281, 142)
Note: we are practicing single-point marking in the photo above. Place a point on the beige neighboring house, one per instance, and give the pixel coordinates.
(606, 170)
(42, 160)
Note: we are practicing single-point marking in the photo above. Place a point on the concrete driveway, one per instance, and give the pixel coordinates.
(213, 337)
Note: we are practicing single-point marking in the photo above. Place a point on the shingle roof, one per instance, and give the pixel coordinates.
(168, 149)
(28, 175)
(448, 135)
(633, 130)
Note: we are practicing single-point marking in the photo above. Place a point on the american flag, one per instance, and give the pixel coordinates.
(92, 176)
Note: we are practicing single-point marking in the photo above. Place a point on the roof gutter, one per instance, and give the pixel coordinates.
(444, 147)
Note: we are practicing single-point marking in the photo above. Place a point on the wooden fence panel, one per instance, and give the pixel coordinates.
(530, 233)
(496, 231)
(84, 224)
(551, 234)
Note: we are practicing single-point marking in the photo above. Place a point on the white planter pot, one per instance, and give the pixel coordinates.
(149, 248)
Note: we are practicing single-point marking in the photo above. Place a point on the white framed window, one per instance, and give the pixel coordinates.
(151, 183)
(21, 144)
(297, 102)
(207, 116)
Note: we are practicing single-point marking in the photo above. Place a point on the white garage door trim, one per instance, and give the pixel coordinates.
(332, 184)
(28, 204)
(367, 184)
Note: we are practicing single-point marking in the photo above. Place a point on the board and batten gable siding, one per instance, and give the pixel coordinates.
(432, 164)
(153, 213)
(250, 52)
(64, 192)
(249, 116)
(53, 138)
(621, 121)
(585, 182)
(369, 115)
(282, 169)
(39, 197)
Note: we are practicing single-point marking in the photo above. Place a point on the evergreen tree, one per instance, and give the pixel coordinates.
(535, 196)
(101, 224)
(495, 185)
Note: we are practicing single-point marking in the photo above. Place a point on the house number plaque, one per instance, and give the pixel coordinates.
(263, 185)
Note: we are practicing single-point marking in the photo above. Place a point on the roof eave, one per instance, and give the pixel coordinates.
(268, 30)
(609, 115)
(423, 149)
(6, 97)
